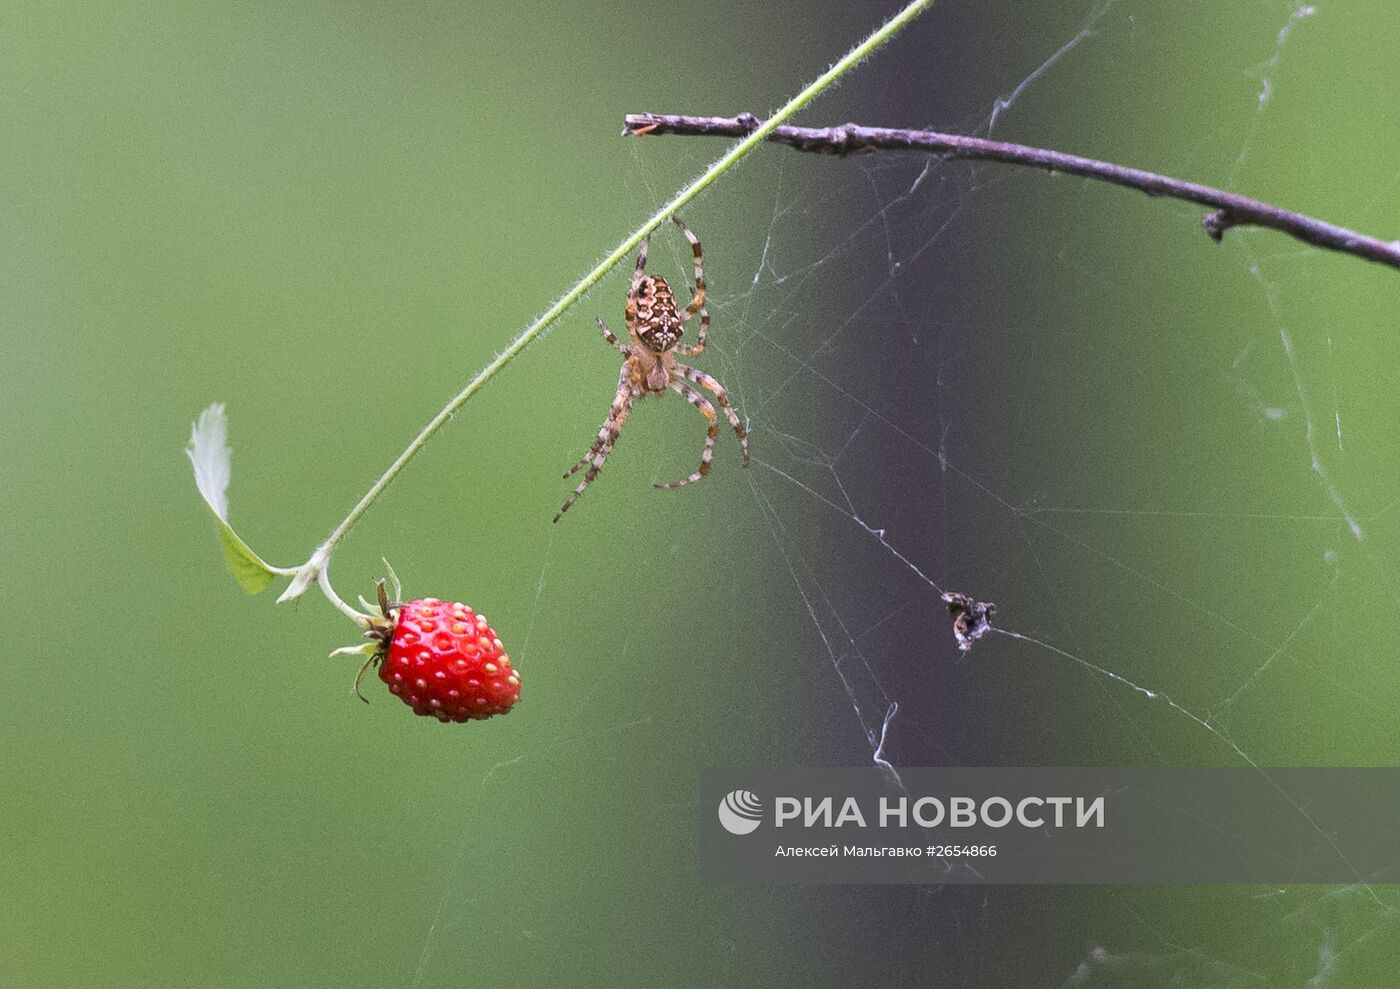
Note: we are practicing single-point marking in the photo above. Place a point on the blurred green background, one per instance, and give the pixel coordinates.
(1048, 393)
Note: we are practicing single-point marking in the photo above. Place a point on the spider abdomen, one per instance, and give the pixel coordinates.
(658, 322)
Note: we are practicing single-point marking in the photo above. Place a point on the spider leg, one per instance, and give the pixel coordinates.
(640, 268)
(602, 446)
(722, 396)
(608, 336)
(622, 397)
(708, 411)
(699, 347)
(586, 458)
(697, 301)
(597, 461)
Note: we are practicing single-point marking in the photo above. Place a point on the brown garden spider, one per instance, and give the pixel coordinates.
(654, 327)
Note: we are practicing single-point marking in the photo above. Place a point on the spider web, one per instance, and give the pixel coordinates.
(1177, 514)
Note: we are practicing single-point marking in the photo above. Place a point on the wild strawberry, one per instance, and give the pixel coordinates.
(446, 662)
(439, 657)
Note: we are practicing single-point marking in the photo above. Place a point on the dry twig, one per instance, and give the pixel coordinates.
(1229, 209)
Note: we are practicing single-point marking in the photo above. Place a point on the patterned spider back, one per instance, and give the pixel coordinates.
(658, 323)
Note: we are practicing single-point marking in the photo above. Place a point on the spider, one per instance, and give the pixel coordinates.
(654, 329)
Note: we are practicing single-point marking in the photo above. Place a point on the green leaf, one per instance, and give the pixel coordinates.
(252, 574)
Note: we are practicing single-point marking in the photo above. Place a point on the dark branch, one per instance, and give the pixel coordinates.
(1229, 209)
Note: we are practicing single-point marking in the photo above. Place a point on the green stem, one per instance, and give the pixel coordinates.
(852, 58)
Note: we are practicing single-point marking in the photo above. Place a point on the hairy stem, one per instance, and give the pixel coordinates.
(1230, 209)
(751, 139)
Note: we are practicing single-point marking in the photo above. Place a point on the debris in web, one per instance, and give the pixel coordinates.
(971, 618)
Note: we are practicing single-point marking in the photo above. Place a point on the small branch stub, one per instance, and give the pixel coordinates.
(1216, 224)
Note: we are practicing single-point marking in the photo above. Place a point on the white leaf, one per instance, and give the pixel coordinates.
(212, 459)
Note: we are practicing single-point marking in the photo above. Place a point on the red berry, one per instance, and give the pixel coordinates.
(445, 662)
